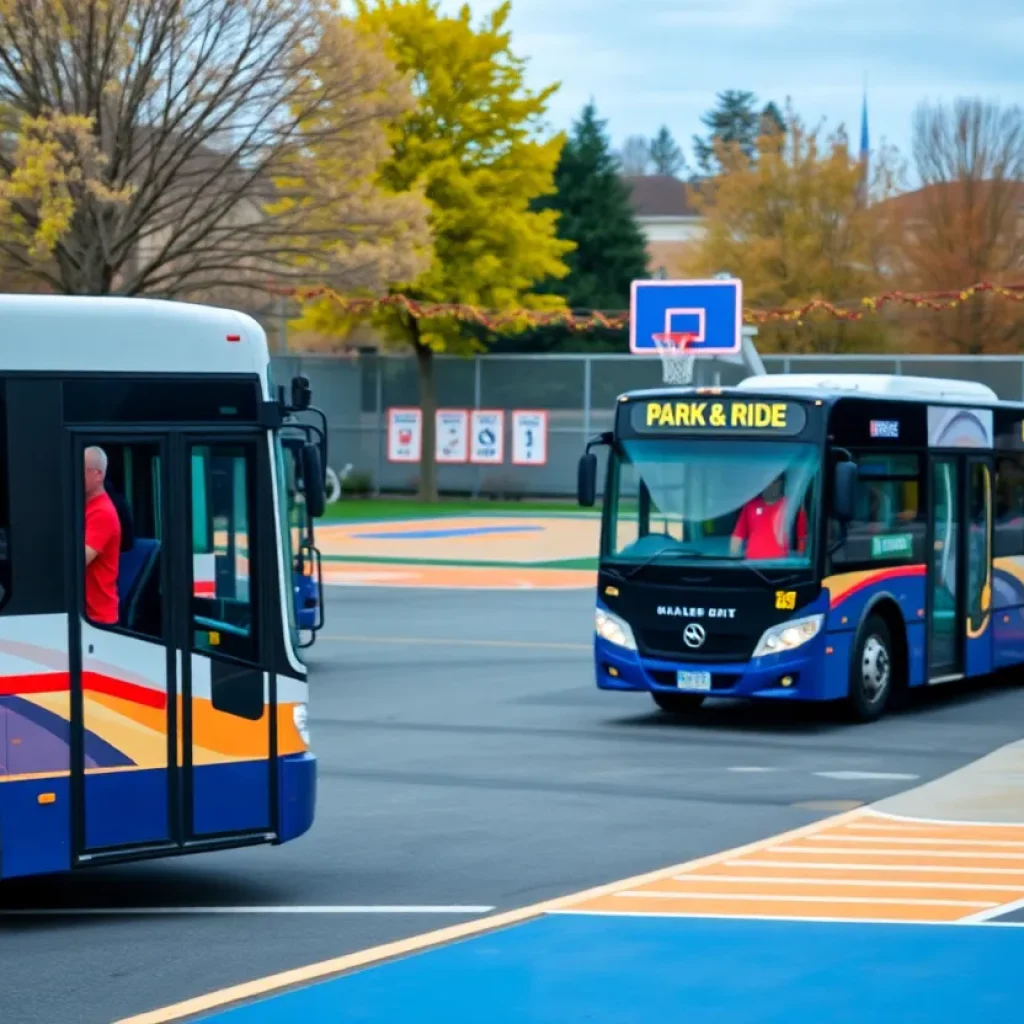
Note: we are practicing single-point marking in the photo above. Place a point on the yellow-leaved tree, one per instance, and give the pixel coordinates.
(794, 224)
(476, 146)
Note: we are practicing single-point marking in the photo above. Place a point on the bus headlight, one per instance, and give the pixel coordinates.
(613, 629)
(788, 635)
(301, 719)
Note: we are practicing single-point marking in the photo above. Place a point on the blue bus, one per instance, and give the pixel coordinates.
(845, 538)
(176, 723)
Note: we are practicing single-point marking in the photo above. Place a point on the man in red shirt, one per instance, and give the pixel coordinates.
(102, 543)
(763, 525)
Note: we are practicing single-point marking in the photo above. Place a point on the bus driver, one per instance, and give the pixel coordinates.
(762, 525)
(102, 543)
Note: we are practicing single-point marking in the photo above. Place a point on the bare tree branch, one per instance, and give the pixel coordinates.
(966, 223)
(208, 145)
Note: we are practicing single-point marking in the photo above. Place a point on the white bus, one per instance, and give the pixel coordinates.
(180, 727)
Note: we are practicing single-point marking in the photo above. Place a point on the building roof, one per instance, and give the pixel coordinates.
(660, 195)
(952, 195)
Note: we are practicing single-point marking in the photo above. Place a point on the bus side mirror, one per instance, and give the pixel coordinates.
(302, 394)
(313, 481)
(586, 480)
(844, 490)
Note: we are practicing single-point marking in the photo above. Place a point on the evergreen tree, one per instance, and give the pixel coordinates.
(594, 212)
(666, 156)
(772, 121)
(733, 120)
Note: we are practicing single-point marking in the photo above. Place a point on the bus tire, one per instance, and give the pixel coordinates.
(872, 671)
(678, 703)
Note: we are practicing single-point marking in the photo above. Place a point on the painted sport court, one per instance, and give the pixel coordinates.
(874, 915)
(460, 551)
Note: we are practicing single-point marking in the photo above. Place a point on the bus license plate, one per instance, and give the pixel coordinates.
(700, 681)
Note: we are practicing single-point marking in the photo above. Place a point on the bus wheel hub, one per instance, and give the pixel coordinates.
(875, 668)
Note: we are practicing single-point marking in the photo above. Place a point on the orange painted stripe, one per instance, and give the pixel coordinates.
(972, 875)
(894, 858)
(393, 574)
(885, 831)
(845, 585)
(864, 867)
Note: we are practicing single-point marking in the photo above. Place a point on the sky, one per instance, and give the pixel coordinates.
(651, 62)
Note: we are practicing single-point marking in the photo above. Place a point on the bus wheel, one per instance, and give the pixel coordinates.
(678, 703)
(871, 671)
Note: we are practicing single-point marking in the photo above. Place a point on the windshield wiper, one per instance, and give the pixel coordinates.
(661, 554)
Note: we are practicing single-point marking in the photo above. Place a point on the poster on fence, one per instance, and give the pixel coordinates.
(405, 435)
(529, 437)
(451, 435)
(487, 430)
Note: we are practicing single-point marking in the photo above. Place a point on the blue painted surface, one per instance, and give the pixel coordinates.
(719, 301)
(456, 531)
(634, 970)
(126, 807)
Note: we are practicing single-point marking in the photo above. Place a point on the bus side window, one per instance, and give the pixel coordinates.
(886, 511)
(133, 486)
(5, 555)
(1008, 525)
(222, 481)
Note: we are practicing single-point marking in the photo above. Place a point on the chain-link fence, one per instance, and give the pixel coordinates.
(579, 392)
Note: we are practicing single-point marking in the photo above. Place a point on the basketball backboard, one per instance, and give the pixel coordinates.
(710, 313)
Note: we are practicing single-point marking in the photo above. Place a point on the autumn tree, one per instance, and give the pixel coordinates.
(965, 223)
(161, 146)
(475, 145)
(789, 224)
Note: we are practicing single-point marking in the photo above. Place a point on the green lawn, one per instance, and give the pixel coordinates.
(352, 509)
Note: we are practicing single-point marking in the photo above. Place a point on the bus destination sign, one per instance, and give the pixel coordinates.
(718, 416)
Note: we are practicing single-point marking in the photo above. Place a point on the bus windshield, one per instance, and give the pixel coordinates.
(676, 500)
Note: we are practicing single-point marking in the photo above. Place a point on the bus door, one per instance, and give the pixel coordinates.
(960, 576)
(228, 697)
(123, 669)
(171, 707)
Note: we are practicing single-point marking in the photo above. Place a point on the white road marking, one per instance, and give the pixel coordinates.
(1012, 843)
(897, 853)
(873, 882)
(829, 866)
(1004, 908)
(850, 776)
(139, 911)
(784, 898)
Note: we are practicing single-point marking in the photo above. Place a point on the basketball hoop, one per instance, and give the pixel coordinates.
(676, 362)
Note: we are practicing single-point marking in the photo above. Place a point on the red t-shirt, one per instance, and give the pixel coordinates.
(103, 535)
(763, 527)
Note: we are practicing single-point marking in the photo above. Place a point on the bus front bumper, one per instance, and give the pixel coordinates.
(795, 675)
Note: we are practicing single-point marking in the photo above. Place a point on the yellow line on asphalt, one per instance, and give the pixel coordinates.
(339, 965)
(439, 641)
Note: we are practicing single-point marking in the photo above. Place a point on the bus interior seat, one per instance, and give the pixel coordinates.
(134, 576)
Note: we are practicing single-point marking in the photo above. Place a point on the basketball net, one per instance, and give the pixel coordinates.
(676, 362)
